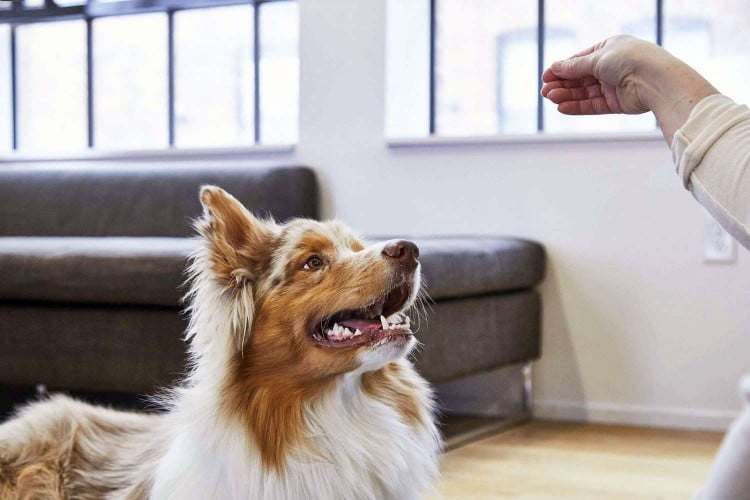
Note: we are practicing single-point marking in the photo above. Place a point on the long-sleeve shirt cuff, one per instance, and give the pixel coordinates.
(712, 155)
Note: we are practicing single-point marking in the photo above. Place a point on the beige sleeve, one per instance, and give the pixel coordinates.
(712, 155)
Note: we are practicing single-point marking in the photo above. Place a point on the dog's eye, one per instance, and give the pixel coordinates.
(313, 263)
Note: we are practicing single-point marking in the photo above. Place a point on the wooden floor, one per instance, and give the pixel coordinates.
(543, 460)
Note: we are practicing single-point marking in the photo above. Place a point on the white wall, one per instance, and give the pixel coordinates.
(637, 329)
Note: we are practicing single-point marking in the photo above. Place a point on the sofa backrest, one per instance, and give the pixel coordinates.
(127, 200)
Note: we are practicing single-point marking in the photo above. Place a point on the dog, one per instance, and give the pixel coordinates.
(298, 386)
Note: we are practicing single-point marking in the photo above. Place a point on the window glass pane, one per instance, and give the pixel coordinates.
(130, 82)
(408, 68)
(279, 71)
(6, 110)
(573, 25)
(486, 69)
(714, 38)
(214, 76)
(51, 86)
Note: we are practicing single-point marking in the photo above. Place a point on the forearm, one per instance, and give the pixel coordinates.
(712, 154)
(671, 89)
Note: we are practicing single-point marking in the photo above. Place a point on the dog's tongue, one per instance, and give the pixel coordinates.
(362, 324)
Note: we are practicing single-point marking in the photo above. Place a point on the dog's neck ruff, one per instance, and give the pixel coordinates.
(356, 447)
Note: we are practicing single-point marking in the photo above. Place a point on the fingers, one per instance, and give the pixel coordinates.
(580, 93)
(548, 76)
(593, 106)
(579, 97)
(581, 100)
(568, 84)
(571, 85)
(589, 50)
(579, 65)
(575, 67)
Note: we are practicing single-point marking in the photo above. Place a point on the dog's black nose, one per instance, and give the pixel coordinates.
(403, 250)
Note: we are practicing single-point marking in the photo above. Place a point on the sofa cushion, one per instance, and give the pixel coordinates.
(465, 266)
(141, 199)
(92, 347)
(107, 270)
(150, 270)
(462, 337)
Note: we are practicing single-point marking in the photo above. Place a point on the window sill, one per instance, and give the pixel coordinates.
(522, 139)
(151, 154)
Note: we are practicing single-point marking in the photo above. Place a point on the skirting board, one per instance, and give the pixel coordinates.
(634, 415)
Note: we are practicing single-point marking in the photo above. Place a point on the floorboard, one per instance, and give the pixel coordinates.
(544, 460)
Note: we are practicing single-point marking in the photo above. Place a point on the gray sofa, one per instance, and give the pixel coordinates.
(91, 266)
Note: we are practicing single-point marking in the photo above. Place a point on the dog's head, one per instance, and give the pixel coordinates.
(307, 297)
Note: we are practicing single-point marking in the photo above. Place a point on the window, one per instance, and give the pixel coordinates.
(6, 98)
(279, 71)
(214, 82)
(485, 67)
(472, 67)
(51, 85)
(130, 81)
(129, 74)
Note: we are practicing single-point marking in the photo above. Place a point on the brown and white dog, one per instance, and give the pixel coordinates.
(299, 385)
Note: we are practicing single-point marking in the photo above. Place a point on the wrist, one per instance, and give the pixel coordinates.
(671, 89)
(658, 75)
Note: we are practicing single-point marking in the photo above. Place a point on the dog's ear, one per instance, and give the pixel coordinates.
(239, 242)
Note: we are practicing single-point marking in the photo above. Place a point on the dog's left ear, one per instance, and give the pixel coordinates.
(239, 242)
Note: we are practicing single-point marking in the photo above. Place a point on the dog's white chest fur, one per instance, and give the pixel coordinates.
(361, 450)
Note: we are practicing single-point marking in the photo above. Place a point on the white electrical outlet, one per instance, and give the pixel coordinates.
(720, 246)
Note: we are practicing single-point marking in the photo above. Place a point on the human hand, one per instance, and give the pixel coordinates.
(605, 78)
(624, 74)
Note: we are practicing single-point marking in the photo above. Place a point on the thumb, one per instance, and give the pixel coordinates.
(573, 68)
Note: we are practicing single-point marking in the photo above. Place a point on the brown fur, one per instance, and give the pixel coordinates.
(394, 388)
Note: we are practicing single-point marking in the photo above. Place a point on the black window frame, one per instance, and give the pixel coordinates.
(540, 59)
(18, 14)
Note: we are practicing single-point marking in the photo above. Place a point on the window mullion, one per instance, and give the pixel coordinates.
(170, 77)
(432, 96)
(540, 66)
(13, 87)
(256, 72)
(659, 22)
(90, 80)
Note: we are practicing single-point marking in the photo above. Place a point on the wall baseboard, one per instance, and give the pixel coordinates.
(636, 415)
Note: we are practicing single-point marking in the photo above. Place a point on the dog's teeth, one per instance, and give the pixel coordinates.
(384, 322)
(394, 318)
(335, 331)
(357, 332)
(348, 333)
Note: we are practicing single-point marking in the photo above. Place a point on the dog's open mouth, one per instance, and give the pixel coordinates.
(379, 321)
